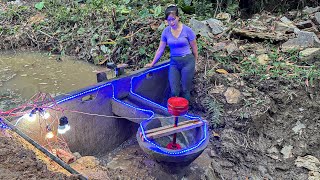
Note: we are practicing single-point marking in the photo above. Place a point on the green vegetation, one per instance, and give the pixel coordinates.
(214, 110)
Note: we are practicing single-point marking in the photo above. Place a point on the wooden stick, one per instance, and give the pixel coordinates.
(166, 127)
(172, 130)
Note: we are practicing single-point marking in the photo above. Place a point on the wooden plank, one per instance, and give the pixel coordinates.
(172, 130)
(167, 127)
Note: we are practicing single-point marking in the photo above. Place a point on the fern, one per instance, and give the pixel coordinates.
(214, 110)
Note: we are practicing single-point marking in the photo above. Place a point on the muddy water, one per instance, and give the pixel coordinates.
(24, 74)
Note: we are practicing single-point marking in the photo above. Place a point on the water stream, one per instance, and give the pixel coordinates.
(24, 74)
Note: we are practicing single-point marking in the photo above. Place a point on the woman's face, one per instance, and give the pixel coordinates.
(173, 21)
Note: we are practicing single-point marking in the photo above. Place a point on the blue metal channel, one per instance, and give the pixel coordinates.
(159, 148)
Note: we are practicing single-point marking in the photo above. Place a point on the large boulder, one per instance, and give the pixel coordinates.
(304, 40)
(215, 25)
(199, 27)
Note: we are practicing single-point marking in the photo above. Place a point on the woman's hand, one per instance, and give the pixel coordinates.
(148, 65)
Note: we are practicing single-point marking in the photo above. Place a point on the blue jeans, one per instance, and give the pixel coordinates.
(181, 73)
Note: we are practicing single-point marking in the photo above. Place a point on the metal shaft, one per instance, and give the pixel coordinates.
(175, 134)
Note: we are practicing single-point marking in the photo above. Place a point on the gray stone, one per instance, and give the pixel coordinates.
(310, 54)
(304, 24)
(262, 169)
(77, 155)
(296, 31)
(287, 151)
(273, 150)
(226, 164)
(304, 40)
(313, 175)
(232, 47)
(298, 128)
(212, 153)
(209, 174)
(309, 162)
(16, 2)
(218, 47)
(261, 51)
(310, 10)
(286, 20)
(280, 26)
(199, 27)
(317, 18)
(215, 25)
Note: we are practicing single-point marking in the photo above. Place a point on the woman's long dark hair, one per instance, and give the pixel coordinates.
(172, 9)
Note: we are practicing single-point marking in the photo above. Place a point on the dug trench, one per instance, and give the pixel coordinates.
(271, 133)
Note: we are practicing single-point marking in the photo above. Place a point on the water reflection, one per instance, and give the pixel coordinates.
(24, 74)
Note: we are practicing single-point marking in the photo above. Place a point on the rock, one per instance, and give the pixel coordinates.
(215, 25)
(231, 48)
(218, 47)
(217, 90)
(263, 59)
(298, 128)
(88, 161)
(226, 164)
(283, 27)
(224, 16)
(313, 175)
(285, 20)
(199, 27)
(310, 10)
(310, 54)
(212, 153)
(292, 14)
(309, 162)
(317, 18)
(273, 150)
(232, 95)
(276, 36)
(287, 151)
(312, 29)
(263, 170)
(16, 2)
(261, 51)
(304, 24)
(77, 155)
(209, 174)
(304, 40)
(296, 31)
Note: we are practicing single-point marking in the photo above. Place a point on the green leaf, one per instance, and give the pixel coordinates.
(104, 49)
(126, 1)
(157, 11)
(39, 5)
(144, 13)
(81, 31)
(142, 51)
(93, 39)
